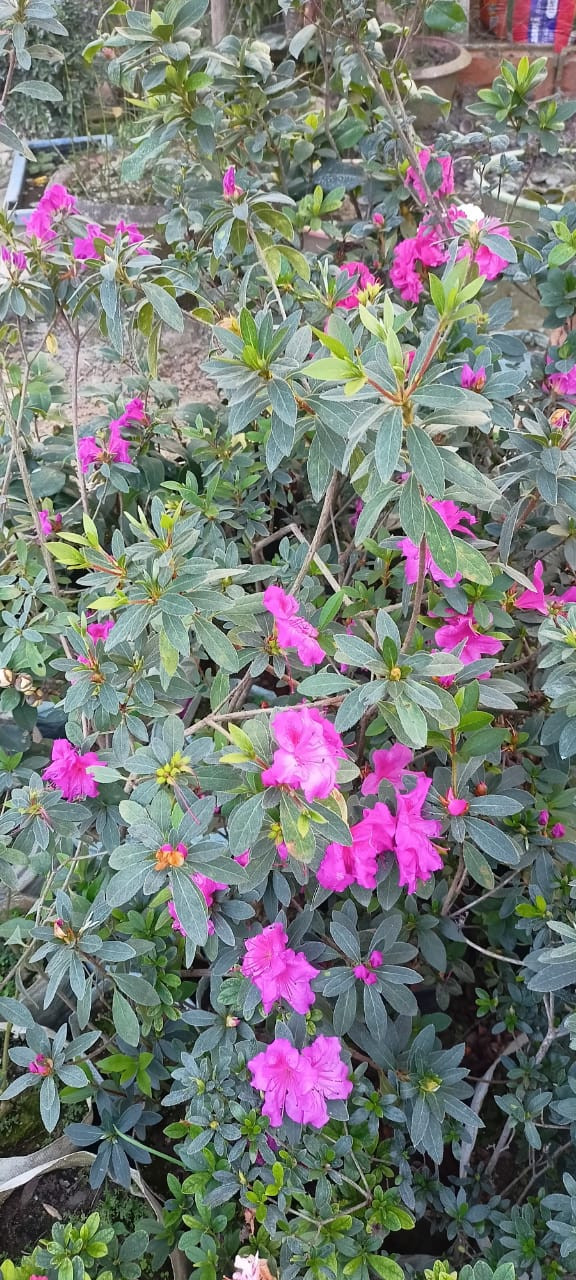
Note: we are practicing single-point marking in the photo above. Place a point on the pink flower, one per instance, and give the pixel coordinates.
(279, 1074)
(358, 509)
(45, 522)
(543, 818)
(277, 971)
(298, 1084)
(536, 599)
(423, 249)
(70, 771)
(490, 264)
(38, 1277)
(560, 419)
(176, 922)
(564, 384)
(243, 858)
(39, 1066)
(247, 1268)
(472, 379)
(343, 865)
(390, 763)
(129, 229)
(417, 857)
(557, 831)
(307, 755)
(229, 189)
(366, 972)
(378, 219)
(207, 888)
(460, 628)
(454, 806)
(365, 278)
(14, 258)
(282, 851)
(100, 630)
(330, 1079)
(453, 517)
(84, 248)
(292, 631)
(56, 199)
(115, 449)
(414, 180)
(133, 413)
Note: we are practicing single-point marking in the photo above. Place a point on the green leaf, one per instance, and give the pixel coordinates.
(388, 443)
(125, 1020)
(244, 824)
(426, 461)
(411, 511)
(440, 542)
(137, 988)
(332, 370)
(492, 841)
(11, 140)
(216, 644)
(164, 305)
(190, 906)
(385, 1268)
(319, 469)
(471, 563)
(40, 89)
(478, 867)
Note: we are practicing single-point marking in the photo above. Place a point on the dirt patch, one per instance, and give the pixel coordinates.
(30, 1212)
(179, 364)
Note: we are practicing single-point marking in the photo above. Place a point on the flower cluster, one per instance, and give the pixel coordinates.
(427, 249)
(407, 833)
(55, 200)
(71, 771)
(84, 248)
(292, 631)
(307, 755)
(277, 971)
(364, 287)
(111, 446)
(299, 1084)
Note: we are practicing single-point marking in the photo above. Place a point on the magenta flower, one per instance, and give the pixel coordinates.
(454, 805)
(14, 259)
(208, 888)
(472, 379)
(535, 600)
(378, 219)
(414, 180)
(292, 631)
(365, 973)
(358, 509)
(56, 199)
(229, 189)
(461, 629)
(177, 925)
(133, 413)
(365, 278)
(422, 250)
(129, 229)
(390, 763)
(277, 971)
(490, 264)
(557, 831)
(243, 858)
(70, 771)
(45, 522)
(417, 857)
(39, 1066)
(343, 865)
(93, 453)
(453, 517)
(84, 247)
(543, 818)
(298, 1084)
(100, 630)
(307, 755)
(564, 384)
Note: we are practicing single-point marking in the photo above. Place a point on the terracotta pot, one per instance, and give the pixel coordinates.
(442, 77)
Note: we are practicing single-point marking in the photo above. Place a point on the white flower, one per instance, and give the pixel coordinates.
(246, 1268)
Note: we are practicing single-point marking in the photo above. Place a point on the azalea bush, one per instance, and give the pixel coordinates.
(288, 687)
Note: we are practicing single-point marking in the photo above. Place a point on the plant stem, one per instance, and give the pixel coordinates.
(75, 436)
(418, 594)
(323, 522)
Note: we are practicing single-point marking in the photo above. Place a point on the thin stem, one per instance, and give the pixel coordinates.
(455, 887)
(263, 263)
(5, 1056)
(323, 522)
(485, 951)
(79, 472)
(418, 595)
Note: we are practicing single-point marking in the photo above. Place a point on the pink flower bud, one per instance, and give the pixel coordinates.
(543, 818)
(557, 831)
